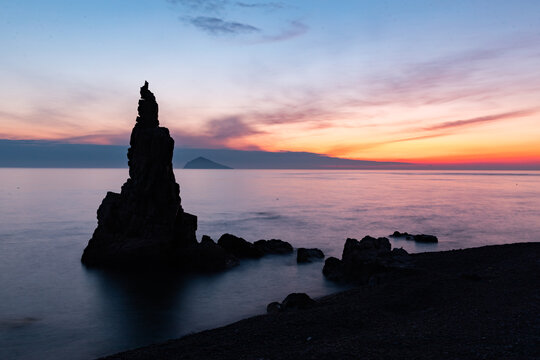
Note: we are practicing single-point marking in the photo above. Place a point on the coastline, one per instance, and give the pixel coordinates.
(476, 303)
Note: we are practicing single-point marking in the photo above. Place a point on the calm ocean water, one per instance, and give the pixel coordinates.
(52, 307)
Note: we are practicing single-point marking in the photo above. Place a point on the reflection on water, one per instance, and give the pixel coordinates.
(52, 307)
(139, 306)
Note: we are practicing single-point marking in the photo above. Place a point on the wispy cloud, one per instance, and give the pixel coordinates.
(430, 83)
(217, 133)
(435, 131)
(218, 5)
(213, 16)
(231, 127)
(294, 29)
(202, 5)
(438, 81)
(38, 115)
(263, 5)
(101, 138)
(464, 77)
(235, 131)
(217, 26)
(482, 119)
(230, 131)
(346, 149)
(292, 114)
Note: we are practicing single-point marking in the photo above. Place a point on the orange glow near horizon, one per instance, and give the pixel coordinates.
(512, 140)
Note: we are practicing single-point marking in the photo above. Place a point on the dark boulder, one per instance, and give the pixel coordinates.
(304, 255)
(297, 301)
(208, 257)
(366, 249)
(273, 246)
(425, 238)
(399, 234)
(239, 247)
(333, 269)
(207, 241)
(365, 258)
(294, 301)
(145, 225)
(418, 238)
(274, 308)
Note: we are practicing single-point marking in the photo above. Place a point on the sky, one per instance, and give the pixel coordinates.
(438, 82)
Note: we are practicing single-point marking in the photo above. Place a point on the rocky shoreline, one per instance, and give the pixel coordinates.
(479, 303)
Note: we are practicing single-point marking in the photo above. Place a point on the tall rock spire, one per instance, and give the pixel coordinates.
(148, 108)
(145, 223)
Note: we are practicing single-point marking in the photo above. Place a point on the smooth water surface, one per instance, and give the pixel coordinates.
(52, 307)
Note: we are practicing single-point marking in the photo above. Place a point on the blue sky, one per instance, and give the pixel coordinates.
(346, 78)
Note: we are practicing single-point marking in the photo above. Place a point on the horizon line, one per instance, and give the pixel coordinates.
(514, 163)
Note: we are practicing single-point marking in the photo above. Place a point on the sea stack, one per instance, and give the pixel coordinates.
(145, 224)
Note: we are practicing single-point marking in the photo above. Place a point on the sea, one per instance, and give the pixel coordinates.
(52, 307)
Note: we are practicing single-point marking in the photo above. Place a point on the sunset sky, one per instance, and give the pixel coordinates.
(419, 81)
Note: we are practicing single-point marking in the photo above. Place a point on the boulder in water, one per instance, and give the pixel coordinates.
(363, 259)
(423, 238)
(304, 255)
(239, 247)
(207, 256)
(273, 246)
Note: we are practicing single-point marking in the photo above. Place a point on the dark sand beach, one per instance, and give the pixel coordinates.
(479, 303)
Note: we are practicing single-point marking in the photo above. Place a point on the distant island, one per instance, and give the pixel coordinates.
(204, 163)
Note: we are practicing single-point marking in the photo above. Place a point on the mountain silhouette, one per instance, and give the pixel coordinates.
(204, 163)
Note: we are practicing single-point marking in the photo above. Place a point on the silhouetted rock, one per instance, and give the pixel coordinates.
(362, 259)
(204, 163)
(274, 246)
(333, 269)
(207, 241)
(304, 255)
(418, 238)
(297, 301)
(365, 249)
(397, 252)
(145, 224)
(208, 256)
(294, 301)
(399, 234)
(425, 238)
(273, 308)
(239, 247)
